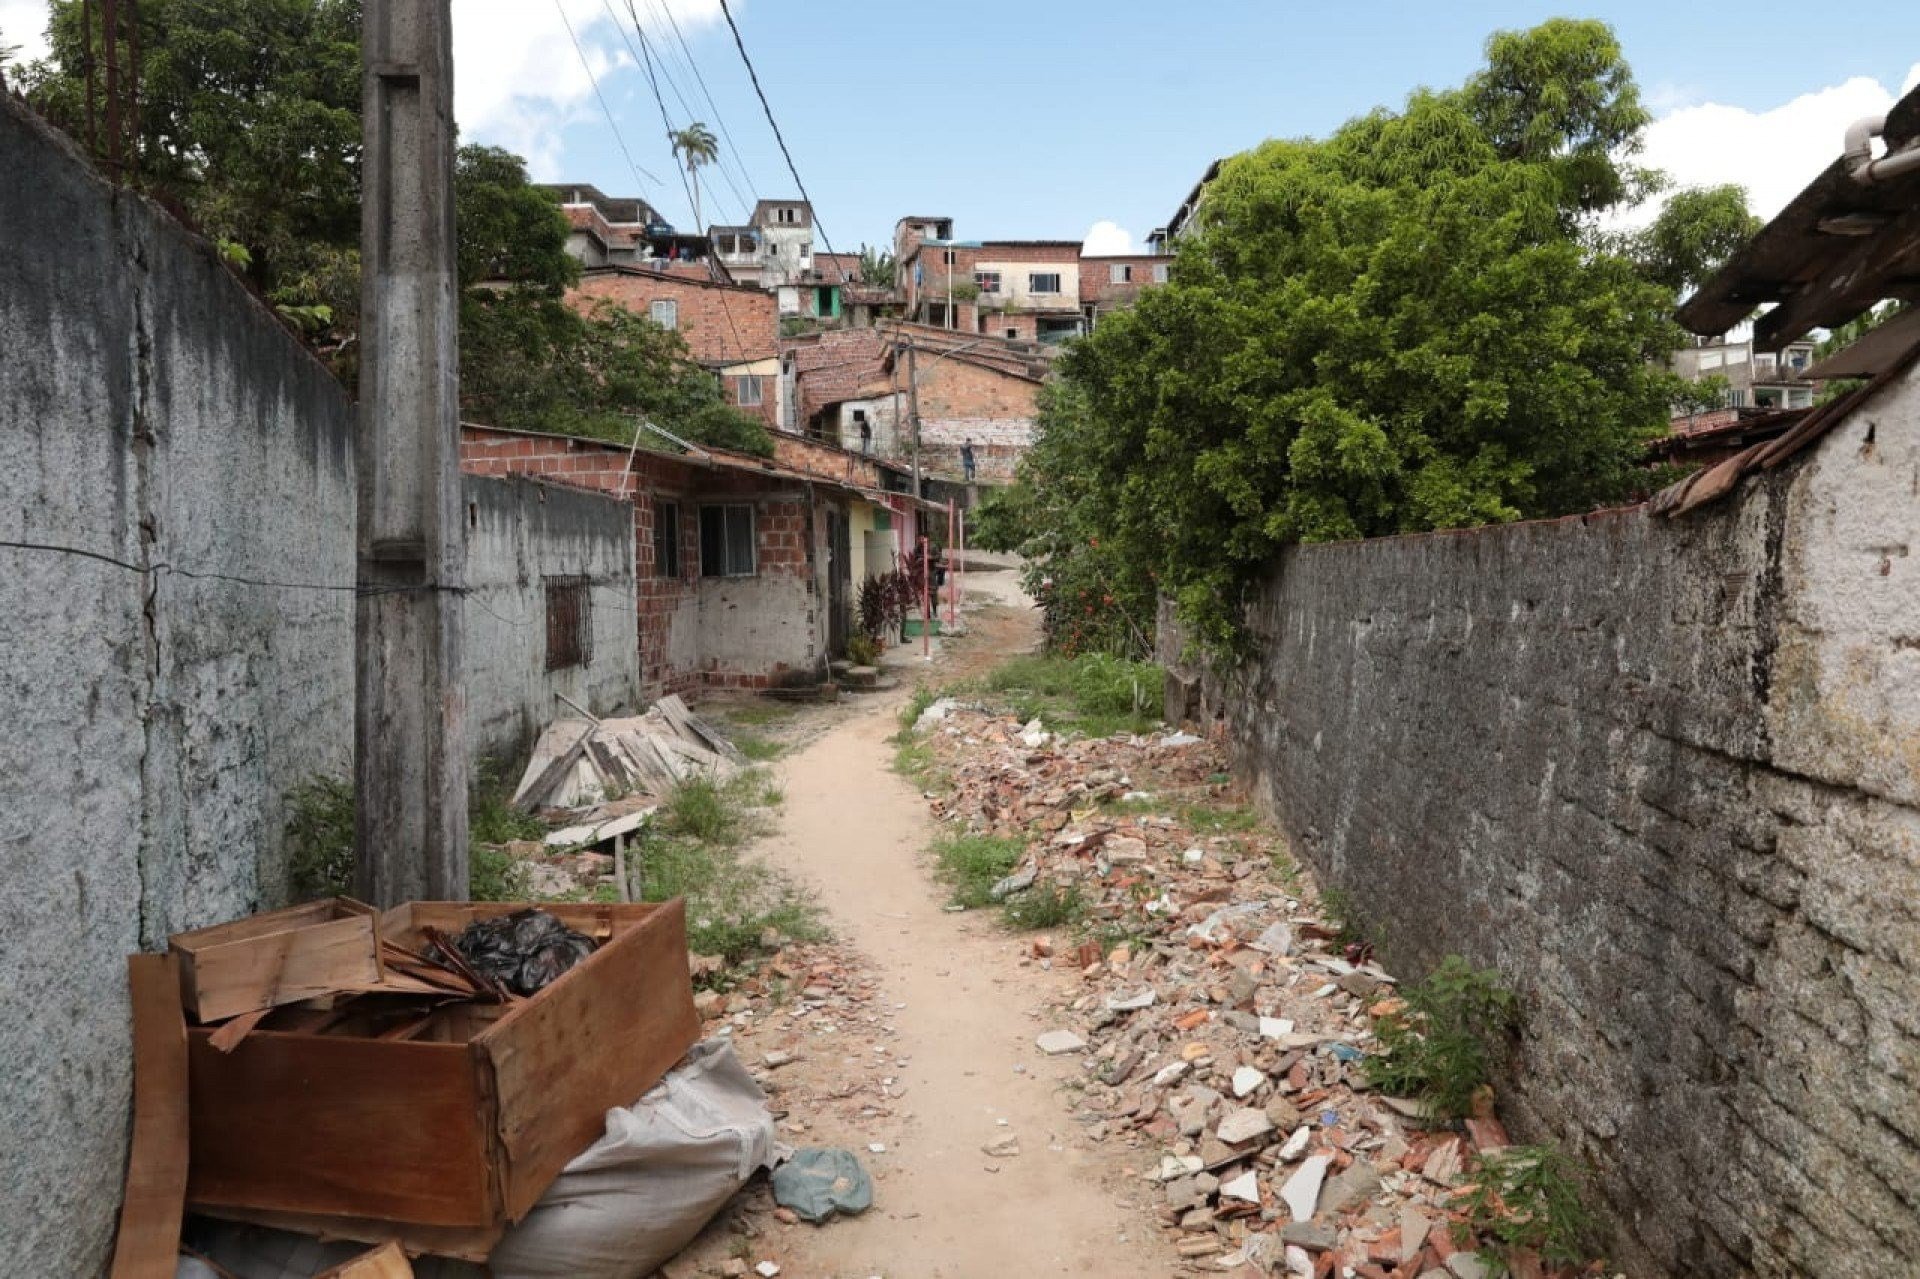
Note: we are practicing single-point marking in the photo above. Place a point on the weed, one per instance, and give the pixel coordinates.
(1219, 819)
(1441, 1047)
(1115, 933)
(320, 838)
(759, 749)
(863, 651)
(1337, 905)
(757, 714)
(923, 697)
(973, 864)
(491, 818)
(913, 758)
(1094, 694)
(496, 875)
(1526, 1197)
(1045, 905)
(699, 809)
(753, 788)
(735, 908)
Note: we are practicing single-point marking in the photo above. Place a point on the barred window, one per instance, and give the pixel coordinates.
(569, 622)
(666, 539)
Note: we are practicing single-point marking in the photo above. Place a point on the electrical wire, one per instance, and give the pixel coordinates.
(654, 62)
(644, 56)
(766, 106)
(605, 110)
(208, 575)
(733, 148)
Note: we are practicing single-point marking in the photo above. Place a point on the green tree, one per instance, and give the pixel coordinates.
(249, 123)
(509, 231)
(876, 266)
(1697, 231)
(1406, 326)
(696, 146)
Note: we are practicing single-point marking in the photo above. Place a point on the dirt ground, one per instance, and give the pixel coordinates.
(939, 1061)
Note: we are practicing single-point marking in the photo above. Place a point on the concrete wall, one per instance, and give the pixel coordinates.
(1665, 776)
(152, 412)
(520, 533)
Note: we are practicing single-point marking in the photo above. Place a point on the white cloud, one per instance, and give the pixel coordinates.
(23, 24)
(518, 80)
(1107, 239)
(1772, 153)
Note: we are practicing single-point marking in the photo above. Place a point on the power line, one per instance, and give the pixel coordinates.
(644, 56)
(155, 570)
(766, 106)
(599, 97)
(733, 148)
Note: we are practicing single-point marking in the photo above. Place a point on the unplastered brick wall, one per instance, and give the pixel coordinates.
(1666, 777)
(721, 323)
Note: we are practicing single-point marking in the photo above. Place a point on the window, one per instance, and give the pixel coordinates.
(569, 623)
(1013, 334)
(747, 390)
(666, 539)
(726, 541)
(665, 312)
(947, 257)
(1119, 273)
(1159, 272)
(987, 281)
(1043, 282)
(1797, 359)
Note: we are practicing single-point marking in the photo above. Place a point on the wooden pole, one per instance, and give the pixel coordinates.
(410, 764)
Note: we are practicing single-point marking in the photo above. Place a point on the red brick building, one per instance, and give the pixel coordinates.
(1109, 283)
(738, 583)
(729, 328)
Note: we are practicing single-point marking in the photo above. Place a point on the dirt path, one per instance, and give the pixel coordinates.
(961, 1047)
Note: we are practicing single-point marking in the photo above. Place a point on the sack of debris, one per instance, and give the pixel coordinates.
(626, 1205)
(640, 1194)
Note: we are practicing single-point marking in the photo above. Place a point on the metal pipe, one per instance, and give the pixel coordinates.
(1858, 153)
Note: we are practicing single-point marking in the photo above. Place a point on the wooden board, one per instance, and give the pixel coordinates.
(388, 1261)
(388, 1130)
(148, 1245)
(597, 1038)
(280, 957)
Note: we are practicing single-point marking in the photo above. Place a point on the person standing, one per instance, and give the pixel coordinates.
(966, 459)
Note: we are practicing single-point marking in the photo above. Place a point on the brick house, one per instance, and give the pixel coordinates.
(1112, 282)
(731, 329)
(745, 568)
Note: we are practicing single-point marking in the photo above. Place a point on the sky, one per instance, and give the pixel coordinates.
(1064, 119)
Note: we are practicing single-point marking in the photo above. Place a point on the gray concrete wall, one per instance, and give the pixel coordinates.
(151, 412)
(1666, 777)
(521, 532)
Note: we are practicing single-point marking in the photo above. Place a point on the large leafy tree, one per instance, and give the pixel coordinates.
(250, 127)
(1412, 324)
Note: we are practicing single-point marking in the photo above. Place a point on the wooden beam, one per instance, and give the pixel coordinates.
(1858, 280)
(148, 1245)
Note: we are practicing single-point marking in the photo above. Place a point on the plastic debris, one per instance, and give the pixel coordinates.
(820, 1181)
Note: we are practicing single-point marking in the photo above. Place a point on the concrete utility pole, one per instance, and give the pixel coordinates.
(410, 762)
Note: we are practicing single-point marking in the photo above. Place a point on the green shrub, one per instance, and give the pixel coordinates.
(916, 705)
(1045, 905)
(496, 875)
(699, 809)
(320, 839)
(973, 864)
(1094, 693)
(1525, 1197)
(1441, 1048)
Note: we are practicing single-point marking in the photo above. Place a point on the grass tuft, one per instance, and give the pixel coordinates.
(973, 864)
(1093, 694)
(1441, 1048)
(1525, 1197)
(1045, 905)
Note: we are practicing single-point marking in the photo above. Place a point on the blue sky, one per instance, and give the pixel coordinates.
(1040, 118)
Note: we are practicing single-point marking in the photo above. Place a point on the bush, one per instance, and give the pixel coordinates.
(973, 864)
(320, 839)
(1441, 1048)
(1525, 1197)
(1045, 905)
(1094, 693)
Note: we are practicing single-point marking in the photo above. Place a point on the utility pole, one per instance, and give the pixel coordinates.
(913, 412)
(410, 757)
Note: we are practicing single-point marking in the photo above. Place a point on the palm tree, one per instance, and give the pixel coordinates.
(696, 145)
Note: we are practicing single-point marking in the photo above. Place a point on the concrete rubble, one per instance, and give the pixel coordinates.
(1221, 1027)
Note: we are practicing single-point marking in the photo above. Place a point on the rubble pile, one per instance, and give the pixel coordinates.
(1221, 1026)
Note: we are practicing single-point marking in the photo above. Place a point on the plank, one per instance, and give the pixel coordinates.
(228, 1036)
(280, 957)
(597, 1038)
(339, 1125)
(473, 1245)
(148, 1245)
(388, 1261)
(531, 794)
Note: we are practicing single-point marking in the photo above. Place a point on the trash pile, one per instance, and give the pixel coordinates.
(1221, 1027)
(582, 762)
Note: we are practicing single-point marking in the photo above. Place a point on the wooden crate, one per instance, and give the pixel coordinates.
(455, 1131)
(280, 957)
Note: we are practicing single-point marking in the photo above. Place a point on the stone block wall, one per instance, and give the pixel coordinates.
(1666, 777)
(169, 676)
